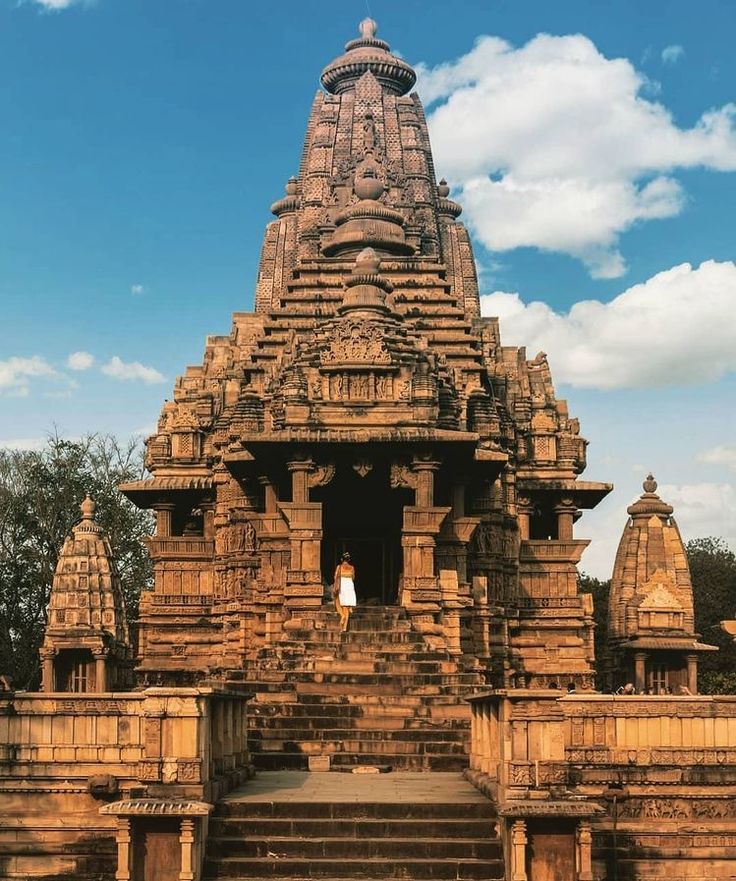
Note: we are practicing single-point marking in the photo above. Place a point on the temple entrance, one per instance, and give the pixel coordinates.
(364, 516)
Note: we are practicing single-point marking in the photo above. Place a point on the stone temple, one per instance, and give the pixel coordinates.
(366, 406)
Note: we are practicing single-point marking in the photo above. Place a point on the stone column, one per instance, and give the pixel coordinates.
(524, 510)
(424, 469)
(518, 851)
(186, 839)
(565, 518)
(122, 837)
(640, 659)
(692, 673)
(208, 510)
(47, 680)
(269, 494)
(163, 520)
(300, 468)
(100, 671)
(584, 851)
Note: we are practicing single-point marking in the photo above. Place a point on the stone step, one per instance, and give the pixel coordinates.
(268, 760)
(352, 828)
(360, 746)
(344, 735)
(457, 870)
(364, 848)
(234, 808)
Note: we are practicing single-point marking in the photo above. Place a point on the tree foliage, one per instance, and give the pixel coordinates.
(713, 571)
(40, 494)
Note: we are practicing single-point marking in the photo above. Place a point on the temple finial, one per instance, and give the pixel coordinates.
(368, 28)
(88, 508)
(650, 484)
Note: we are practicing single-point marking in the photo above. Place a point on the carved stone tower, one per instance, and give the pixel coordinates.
(366, 405)
(86, 645)
(651, 624)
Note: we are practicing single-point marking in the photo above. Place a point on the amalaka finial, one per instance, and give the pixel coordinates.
(650, 484)
(367, 262)
(88, 508)
(368, 28)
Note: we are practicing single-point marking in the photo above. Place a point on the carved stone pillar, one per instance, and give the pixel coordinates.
(524, 509)
(122, 838)
(270, 499)
(100, 671)
(640, 660)
(163, 520)
(300, 469)
(47, 678)
(584, 851)
(692, 673)
(565, 511)
(186, 839)
(519, 842)
(208, 512)
(424, 468)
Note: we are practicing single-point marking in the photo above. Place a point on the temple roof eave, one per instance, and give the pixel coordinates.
(587, 493)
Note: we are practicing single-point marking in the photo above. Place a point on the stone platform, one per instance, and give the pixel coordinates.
(292, 824)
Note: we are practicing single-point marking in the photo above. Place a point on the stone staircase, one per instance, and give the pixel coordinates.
(337, 826)
(378, 695)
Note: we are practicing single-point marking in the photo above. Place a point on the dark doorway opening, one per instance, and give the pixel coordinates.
(364, 516)
(74, 670)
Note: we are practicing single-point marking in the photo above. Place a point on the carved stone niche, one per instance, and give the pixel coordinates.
(186, 445)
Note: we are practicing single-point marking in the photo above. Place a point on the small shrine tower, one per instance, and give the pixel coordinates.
(86, 647)
(651, 623)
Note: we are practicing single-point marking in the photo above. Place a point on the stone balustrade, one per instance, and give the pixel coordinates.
(605, 767)
(73, 752)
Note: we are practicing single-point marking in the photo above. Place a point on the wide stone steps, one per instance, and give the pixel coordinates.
(376, 694)
(415, 827)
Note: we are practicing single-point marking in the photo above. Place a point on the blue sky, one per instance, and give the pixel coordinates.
(591, 143)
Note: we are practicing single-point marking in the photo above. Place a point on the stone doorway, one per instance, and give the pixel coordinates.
(363, 515)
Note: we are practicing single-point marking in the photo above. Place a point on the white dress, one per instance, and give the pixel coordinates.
(347, 592)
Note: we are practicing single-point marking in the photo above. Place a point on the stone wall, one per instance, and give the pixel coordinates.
(650, 780)
(63, 756)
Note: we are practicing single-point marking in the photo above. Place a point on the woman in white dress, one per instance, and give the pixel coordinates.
(345, 600)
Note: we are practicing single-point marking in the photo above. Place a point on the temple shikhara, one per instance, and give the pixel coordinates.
(365, 406)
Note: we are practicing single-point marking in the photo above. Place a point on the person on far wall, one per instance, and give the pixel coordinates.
(345, 600)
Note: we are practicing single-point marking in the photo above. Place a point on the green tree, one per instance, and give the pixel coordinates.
(40, 494)
(713, 571)
(599, 590)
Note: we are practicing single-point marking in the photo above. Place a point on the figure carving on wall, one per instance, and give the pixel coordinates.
(402, 476)
(370, 137)
(249, 536)
(322, 474)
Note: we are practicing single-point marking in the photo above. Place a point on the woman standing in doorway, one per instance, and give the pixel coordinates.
(345, 600)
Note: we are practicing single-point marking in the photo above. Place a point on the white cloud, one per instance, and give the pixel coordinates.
(675, 328)
(137, 289)
(57, 5)
(133, 370)
(672, 54)
(703, 509)
(721, 455)
(30, 443)
(555, 146)
(80, 361)
(16, 374)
